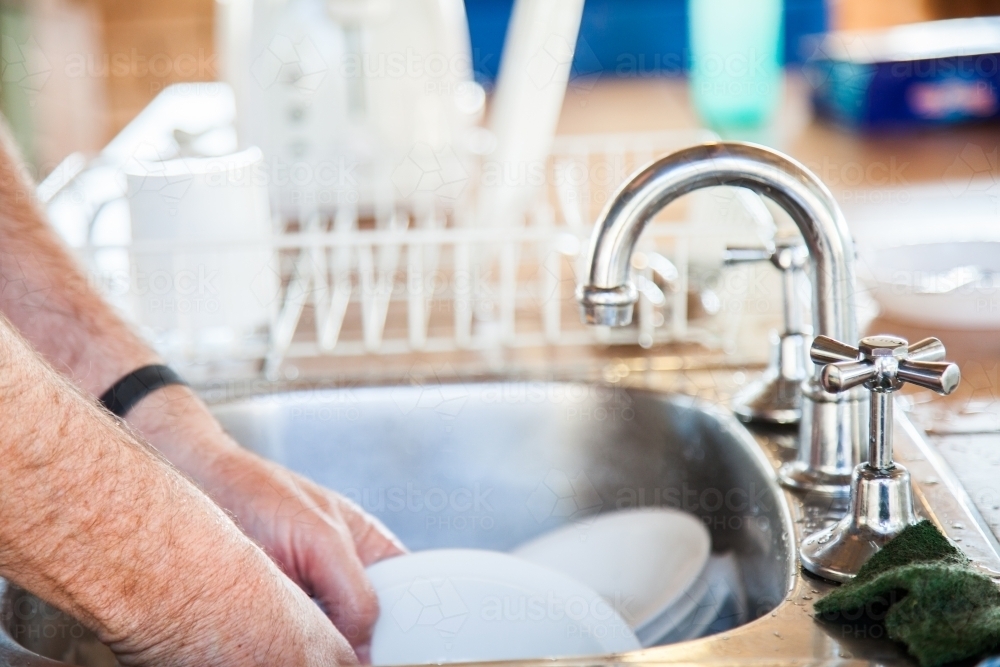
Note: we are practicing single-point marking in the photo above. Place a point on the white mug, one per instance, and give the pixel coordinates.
(203, 270)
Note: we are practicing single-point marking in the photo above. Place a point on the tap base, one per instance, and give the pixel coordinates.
(830, 436)
(881, 508)
(776, 397)
(799, 476)
(606, 316)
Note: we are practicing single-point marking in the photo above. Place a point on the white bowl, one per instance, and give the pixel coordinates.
(646, 562)
(465, 605)
(952, 285)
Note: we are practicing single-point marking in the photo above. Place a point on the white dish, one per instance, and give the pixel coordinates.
(723, 604)
(954, 285)
(645, 562)
(465, 605)
(673, 622)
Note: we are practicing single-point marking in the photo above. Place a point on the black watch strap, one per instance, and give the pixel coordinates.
(128, 391)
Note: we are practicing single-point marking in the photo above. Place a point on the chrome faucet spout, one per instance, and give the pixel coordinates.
(834, 426)
(769, 173)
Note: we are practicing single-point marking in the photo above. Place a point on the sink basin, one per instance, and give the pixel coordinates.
(493, 464)
(490, 466)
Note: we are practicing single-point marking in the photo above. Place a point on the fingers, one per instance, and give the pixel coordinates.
(351, 603)
(323, 542)
(373, 541)
(312, 633)
(335, 576)
(364, 654)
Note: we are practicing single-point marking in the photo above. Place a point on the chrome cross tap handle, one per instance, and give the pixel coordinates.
(776, 396)
(881, 504)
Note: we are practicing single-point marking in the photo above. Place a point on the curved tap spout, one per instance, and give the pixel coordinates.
(608, 296)
(833, 429)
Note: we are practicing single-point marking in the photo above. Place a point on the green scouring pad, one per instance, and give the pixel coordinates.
(926, 594)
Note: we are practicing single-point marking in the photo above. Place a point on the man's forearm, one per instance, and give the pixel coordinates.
(98, 524)
(48, 298)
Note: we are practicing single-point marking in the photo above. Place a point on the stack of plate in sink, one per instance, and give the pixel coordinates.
(467, 605)
(716, 602)
(610, 584)
(654, 566)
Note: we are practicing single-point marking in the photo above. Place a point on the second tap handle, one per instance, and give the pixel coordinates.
(826, 350)
(939, 376)
(839, 377)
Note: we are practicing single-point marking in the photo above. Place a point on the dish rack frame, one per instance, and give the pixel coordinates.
(428, 284)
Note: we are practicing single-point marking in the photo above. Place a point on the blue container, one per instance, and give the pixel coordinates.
(934, 73)
(628, 38)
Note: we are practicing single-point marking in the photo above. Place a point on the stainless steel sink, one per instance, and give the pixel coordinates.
(492, 464)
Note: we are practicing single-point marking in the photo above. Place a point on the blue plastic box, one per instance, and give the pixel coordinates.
(626, 38)
(933, 73)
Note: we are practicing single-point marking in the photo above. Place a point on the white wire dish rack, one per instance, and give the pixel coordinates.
(427, 283)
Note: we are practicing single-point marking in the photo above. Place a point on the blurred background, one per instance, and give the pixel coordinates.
(106, 59)
(305, 187)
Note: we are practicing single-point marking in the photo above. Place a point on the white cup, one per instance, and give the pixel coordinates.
(203, 270)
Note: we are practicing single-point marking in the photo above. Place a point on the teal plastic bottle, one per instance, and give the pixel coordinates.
(736, 61)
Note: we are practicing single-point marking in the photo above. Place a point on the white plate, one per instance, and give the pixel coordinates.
(673, 622)
(923, 283)
(465, 605)
(723, 595)
(644, 562)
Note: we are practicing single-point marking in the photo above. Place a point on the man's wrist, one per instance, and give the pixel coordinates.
(178, 424)
(129, 391)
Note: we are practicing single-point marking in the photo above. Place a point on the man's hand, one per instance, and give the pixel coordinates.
(320, 539)
(97, 523)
